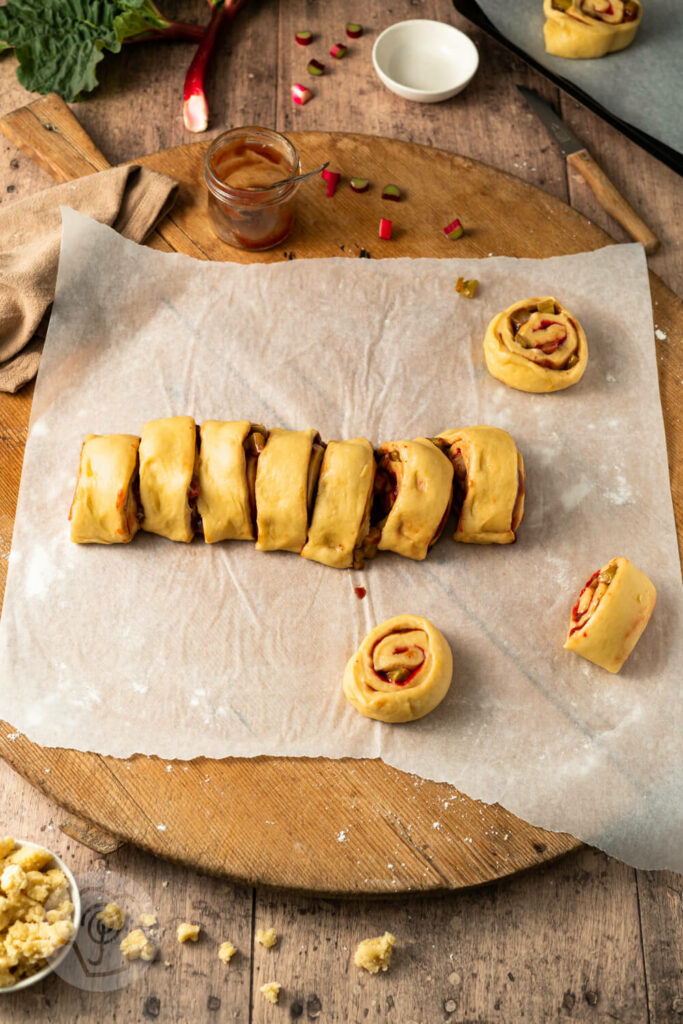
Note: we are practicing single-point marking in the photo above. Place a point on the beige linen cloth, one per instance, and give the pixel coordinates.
(130, 199)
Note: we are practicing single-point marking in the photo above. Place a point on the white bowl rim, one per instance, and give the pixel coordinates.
(63, 951)
(424, 21)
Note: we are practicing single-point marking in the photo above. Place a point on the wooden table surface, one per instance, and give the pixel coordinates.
(586, 938)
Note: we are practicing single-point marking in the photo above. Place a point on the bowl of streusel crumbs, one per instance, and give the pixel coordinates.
(40, 908)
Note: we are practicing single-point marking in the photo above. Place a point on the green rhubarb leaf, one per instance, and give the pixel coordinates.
(59, 43)
(138, 17)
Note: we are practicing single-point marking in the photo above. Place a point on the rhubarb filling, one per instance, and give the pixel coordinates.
(610, 12)
(254, 443)
(591, 596)
(193, 490)
(399, 657)
(315, 462)
(545, 335)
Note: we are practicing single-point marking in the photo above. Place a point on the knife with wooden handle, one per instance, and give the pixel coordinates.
(607, 194)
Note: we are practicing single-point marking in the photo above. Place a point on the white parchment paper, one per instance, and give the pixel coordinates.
(181, 650)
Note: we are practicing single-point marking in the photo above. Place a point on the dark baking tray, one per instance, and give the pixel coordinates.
(471, 10)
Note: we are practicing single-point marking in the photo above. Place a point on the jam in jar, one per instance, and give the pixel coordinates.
(247, 208)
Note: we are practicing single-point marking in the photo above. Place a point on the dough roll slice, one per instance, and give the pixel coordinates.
(589, 28)
(489, 484)
(536, 345)
(339, 534)
(286, 478)
(413, 495)
(401, 671)
(168, 477)
(228, 453)
(104, 509)
(611, 613)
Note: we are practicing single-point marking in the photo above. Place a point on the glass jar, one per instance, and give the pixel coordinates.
(240, 169)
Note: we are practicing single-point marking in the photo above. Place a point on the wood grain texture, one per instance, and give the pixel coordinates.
(482, 949)
(469, 849)
(137, 110)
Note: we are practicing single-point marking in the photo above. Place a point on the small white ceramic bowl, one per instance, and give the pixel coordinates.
(63, 952)
(424, 61)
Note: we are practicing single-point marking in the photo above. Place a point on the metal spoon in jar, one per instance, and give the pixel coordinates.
(298, 177)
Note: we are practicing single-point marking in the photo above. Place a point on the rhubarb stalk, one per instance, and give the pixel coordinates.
(195, 107)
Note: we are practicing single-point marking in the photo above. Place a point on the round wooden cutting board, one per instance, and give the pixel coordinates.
(336, 827)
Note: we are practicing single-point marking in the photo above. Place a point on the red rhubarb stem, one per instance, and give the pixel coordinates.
(195, 107)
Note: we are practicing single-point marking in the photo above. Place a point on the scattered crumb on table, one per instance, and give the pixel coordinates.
(148, 920)
(136, 946)
(226, 952)
(267, 937)
(112, 916)
(187, 931)
(375, 954)
(271, 991)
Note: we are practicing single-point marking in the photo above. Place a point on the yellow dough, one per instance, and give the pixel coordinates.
(536, 345)
(422, 478)
(611, 613)
(227, 453)
(589, 28)
(286, 475)
(489, 480)
(104, 508)
(341, 516)
(168, 456)
(400, 672)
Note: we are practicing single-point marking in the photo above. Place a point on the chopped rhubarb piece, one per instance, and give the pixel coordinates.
(331, 180)
(314, 67)
(304, 38)
(354, 31)
(466, 288)
(454, 230)
(338, 51)
(300, 94)
(392, 192)
(360, 184)
(385, 229)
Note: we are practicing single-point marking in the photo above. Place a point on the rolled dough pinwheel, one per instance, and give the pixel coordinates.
(489, 484)
(168, 477)
(104, 509)
(611, 613)
(589, 28)
(340, 533)
(228, 454)
(413, 491)
(400, 672)
(536, 345)
(286, 477)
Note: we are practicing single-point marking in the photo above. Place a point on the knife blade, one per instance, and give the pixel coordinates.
(576, 154)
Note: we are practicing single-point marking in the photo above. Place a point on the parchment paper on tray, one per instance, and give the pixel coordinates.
(636, 85)
(231, 651)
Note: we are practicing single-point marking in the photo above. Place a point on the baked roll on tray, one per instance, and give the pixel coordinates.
(105, 508)
(340, 534)
(611, 613)
(536, 345)
(401, 671)
(228, 454)
(589, 28)
(168, 477)
(413, 496)
(488, 491)
(286, 479)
